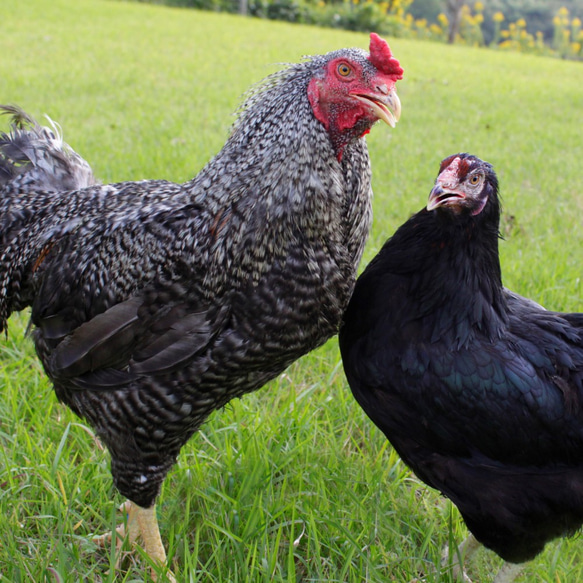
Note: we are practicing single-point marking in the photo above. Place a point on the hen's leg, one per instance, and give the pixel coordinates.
(463, 553)
(508, 572)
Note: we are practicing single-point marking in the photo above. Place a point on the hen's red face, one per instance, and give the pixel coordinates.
(354, 90)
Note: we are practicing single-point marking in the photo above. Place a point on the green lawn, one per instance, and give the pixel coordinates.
(292, 483)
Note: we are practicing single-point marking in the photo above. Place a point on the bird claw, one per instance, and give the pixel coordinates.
(122, 531)
(104, 540)
(140, 523)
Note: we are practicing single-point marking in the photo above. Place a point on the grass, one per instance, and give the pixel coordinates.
(292, 483)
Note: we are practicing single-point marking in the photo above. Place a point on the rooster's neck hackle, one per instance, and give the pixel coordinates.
(288, 186)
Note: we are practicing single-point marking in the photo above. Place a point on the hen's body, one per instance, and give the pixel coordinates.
(155, 303)
(479, 390)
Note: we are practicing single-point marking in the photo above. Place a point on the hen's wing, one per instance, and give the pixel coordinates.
(488, 398)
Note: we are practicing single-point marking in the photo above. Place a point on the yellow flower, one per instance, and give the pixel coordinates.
(505, 34)
(435, 29)
(498, 17)
(479, 18)
(563, 11)
(576, 47)
(478, 7)
(521, 23)
(442, 18)
(557, 21)
(576, 22)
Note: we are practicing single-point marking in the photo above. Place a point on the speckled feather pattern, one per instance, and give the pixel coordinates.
(156, 303)
(35, 157)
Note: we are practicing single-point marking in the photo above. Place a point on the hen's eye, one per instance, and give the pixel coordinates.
(475, 179)
(344, 70)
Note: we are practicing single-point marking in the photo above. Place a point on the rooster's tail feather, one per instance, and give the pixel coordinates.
(35, 157)
(36, 167)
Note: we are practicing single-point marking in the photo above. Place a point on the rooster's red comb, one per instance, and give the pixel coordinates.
(382, 58)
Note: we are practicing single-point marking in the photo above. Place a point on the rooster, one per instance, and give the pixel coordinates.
(479, 390)
(155, 303)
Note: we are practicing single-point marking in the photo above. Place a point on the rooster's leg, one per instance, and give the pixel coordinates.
(129, 528)
(140, 522)
(152, 541)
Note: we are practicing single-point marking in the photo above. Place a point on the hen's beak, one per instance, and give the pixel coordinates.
(384, 103)
(440, 197)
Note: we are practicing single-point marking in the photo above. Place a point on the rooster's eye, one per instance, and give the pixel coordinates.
(344, 70)
(475, 179)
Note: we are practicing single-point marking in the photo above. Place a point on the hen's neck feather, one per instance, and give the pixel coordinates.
(450, 275)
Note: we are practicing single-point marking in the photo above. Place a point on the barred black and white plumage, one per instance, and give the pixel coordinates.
(35, 157)
(155, 303)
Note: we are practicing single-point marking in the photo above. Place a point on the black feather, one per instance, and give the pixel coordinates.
(478, 389)
(98, 343)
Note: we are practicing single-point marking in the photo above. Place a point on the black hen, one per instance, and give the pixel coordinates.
(479, 390)
(156, 303)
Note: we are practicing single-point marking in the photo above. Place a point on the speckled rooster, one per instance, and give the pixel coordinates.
(155, 303)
